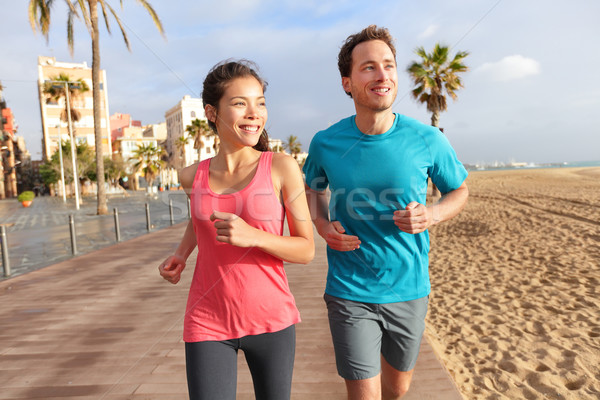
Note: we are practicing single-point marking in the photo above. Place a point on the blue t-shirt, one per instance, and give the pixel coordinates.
(371, 176)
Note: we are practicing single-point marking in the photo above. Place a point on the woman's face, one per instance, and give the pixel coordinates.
(242, 112)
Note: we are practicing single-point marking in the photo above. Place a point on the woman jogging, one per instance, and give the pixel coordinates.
(239, 297)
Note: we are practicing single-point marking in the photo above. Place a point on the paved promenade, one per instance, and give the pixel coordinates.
(104, 325)
(39, 235)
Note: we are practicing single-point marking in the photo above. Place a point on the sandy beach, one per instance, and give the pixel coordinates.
(515, 304)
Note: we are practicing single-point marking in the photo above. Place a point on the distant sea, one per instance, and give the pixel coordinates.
(501, 166)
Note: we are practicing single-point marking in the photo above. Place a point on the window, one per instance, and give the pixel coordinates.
(193, 114)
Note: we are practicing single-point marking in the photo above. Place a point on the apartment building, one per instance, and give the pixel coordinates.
(53, 128)
(178, 118)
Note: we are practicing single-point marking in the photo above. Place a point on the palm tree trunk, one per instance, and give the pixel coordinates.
(435, 118)
(102, 208)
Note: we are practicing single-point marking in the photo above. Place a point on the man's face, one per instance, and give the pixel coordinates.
(373, 80)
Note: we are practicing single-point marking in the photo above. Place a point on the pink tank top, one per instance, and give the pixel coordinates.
(237, 291)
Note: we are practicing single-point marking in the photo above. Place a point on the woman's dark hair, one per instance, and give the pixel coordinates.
(216, 83)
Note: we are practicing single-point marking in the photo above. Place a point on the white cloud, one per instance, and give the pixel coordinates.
(510, 68)
(428, 32)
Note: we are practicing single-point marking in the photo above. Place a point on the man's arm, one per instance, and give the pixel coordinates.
(332, 231)
(416, 217)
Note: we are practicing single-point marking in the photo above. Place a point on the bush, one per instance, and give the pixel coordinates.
(28, 195)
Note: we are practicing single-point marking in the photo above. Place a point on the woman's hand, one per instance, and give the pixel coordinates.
(234, 230)
(171, 268)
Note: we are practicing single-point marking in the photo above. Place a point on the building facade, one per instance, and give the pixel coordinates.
(119, 121)
(178, 119)
(54, 129)
(8, 162)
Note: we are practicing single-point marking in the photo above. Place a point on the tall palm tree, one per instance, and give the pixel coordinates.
(180, 143)
(149, 161)
(435, 76)
(293, 146)
(197, 130)
(39, 17)
(54, 92)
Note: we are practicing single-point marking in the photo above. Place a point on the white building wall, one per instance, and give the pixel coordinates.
(84, 129)
(177, 120)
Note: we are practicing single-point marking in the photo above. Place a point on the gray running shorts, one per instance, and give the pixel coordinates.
(363, 332)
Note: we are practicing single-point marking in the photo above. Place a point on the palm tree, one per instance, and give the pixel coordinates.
(39, 17)
(54, 92)
(84, 163)
(293, 146)
(180, 143)
(435, 76)
(149, 161)
(196, 130)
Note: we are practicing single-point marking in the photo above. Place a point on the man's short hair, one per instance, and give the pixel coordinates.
(372, 32)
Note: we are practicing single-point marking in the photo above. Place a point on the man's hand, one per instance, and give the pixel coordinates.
(171, 268)
(415, 218)
(334, 235)
(233, 230)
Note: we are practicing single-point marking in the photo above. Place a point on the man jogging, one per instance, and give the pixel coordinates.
(376, 164)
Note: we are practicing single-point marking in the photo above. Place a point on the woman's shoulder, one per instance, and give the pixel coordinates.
(283, 162)
(187, 175)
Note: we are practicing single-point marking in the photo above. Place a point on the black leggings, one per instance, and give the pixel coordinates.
(212, 366)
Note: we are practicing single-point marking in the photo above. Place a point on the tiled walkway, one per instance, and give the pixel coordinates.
(106, 326)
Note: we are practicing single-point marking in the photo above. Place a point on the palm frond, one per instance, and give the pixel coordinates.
(85, 14)
(123, 33)
(153, 14)
(39, 16)
(105, 15)
(70, 36)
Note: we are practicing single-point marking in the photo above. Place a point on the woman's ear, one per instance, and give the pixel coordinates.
(211, 113)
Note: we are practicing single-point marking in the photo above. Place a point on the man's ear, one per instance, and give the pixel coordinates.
(211, 113)
(346, 84)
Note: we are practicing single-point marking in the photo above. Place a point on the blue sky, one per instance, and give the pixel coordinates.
(531, 93)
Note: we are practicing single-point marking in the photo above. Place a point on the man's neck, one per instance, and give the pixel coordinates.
(374, 123)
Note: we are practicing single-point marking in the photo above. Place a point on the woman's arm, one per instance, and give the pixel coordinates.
(299, 247)
(173, 266)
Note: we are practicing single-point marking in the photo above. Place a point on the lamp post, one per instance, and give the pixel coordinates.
(73, 145)
(62, 168)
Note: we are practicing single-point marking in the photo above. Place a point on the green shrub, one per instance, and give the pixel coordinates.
(27, 195)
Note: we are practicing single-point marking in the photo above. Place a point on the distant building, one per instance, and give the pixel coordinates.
(131, 138)
(158, 131)
(8, 173)
(178, 119)
(276, 145)
(119, 121)
(52, 127)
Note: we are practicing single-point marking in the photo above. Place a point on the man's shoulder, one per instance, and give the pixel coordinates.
(421, 129)
(342, 125)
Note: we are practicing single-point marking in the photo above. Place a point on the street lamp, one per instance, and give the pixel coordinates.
(62, 168)
(70, 126)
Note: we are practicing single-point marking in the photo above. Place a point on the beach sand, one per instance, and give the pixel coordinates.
(515, 305)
